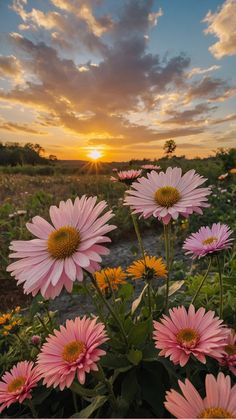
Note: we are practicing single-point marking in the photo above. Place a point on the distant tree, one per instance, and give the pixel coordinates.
(52, 157)
(228, 157)
(169, 147)
(12, 153)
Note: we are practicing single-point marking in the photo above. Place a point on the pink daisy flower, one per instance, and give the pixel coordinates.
(150, 167)
(71, 351)
(16, 384)
(126, 176)
(208, 240)
(61, 251)
(220, 400)
(228, 359)
(166, 195)
(183, 334)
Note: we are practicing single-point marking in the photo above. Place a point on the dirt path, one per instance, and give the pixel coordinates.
(122, 254)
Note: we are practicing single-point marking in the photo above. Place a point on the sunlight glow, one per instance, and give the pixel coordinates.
(95, 154)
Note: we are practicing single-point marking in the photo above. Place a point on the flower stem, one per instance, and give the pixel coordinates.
(221, 285)
(32, 408)
(201, 283)
(114, 315)
(42, 323)
(75, 401)
(149, 299)
(137, 231)
(108, 386)
(167, 231)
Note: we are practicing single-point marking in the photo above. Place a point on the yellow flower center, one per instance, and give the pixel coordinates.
(187, 338)
(16, 384)
(167, 196)
(215, 412)
(63, 242)
(210, 240)
(230, 349)
(73, 350)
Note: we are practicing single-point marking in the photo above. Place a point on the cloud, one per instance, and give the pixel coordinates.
(224, 120)
(100, 100)
(71, 23)
(16, 127)
(10, 67)
(213, 89)
(194, 116)
(222, 24)
(198, 70)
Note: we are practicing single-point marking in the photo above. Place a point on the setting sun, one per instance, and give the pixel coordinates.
(95, 154)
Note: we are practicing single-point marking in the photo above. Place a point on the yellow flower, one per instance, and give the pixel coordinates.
(8, 327)
(17, 309)
(148, 269)
(110, 277)
(233, 171)
(5, 318)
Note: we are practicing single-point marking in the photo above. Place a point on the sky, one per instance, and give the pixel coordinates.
(118, 76)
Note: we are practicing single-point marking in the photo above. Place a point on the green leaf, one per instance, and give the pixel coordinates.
(150, 353)
(92, 407)
(82, 391)
(139, 332)
(129, 387)
(126, 291)
(114, 361)
(135, 356)
(154, 382)
(138, 300)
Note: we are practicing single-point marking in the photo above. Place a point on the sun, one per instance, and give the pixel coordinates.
(95, 154)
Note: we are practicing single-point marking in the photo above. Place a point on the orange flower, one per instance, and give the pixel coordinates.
(150, 268)
(110, 277)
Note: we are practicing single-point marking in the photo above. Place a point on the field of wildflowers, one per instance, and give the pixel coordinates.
(168, 352)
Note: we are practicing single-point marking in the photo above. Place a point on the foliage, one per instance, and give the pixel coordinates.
(169, 147)
(132, 377)
(14, 154)
(228, 157)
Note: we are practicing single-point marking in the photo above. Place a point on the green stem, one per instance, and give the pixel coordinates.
(42, 323)
(32, 408)
(109, 387)
(201, 283)
(137, 231)
(167, 231)
(74, 401)
(114, 315)
(96, 304)
(149, 299)
(221, 285)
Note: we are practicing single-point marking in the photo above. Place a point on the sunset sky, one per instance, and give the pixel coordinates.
(119, 76)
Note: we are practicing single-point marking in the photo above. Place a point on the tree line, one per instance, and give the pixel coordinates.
(13, 154)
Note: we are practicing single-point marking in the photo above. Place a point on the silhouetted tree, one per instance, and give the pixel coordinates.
(169, 147)
(15, 154)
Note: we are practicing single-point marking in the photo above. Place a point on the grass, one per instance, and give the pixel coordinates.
(34, 194)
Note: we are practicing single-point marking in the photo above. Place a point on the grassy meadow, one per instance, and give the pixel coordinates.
(26, 191)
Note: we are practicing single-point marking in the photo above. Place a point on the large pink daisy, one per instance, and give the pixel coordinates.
(62, 249)
(166, 195)
(220, 400)
(208, 240)
(228, 358)
(185, 333)
(126, 176)
(71, 351)
(16, 385)
(149, 167)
